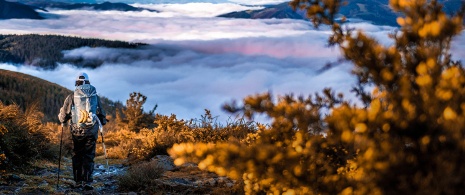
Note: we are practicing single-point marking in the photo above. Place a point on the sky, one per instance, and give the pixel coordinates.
(196, 61)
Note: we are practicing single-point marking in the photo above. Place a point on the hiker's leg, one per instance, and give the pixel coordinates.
(88, 158)
(79, 152)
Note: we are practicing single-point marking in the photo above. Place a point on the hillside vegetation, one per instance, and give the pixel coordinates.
(45, 51)
(23, 138)
(29, 91)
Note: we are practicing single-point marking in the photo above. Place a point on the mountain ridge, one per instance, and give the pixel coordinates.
(45, 51)
(280, 11)
(377, 12)
(105, 6)
(14, 10)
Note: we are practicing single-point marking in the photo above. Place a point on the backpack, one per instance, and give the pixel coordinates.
(84, 108)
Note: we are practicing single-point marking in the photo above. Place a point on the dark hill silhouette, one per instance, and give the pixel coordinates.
(105, 6)
(13, 10)
(45, 51)
(279, 11)
(375, 11)
(26, 90)
(451, 6)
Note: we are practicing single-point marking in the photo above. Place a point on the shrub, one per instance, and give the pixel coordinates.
(141, 176)
(22, 137)
(133, 116)
(148, 143)
(171, 131)
(53, 133)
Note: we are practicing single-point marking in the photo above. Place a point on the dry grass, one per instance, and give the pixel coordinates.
(147, 143)
(23, 138)
(141, 177)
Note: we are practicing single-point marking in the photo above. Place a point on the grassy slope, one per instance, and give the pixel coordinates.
(26, 90)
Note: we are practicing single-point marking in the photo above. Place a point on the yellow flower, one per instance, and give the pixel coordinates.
(361, 128)
(449, 114)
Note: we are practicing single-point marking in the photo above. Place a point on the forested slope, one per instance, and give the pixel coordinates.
(46, 50)
(10, 10)
(27, 91)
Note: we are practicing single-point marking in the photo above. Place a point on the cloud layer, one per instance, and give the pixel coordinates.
(197, 9)
(244, 2)
(195, 61)
(185, 82)
(150, 26)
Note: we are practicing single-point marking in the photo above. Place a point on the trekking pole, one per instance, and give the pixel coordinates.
(103, 142)
(104, 149)
(59, 158)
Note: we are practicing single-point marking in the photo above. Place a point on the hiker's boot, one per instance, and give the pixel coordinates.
(78, 185)
(88, 186)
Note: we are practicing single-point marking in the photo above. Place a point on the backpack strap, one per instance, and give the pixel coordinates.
(72, 100)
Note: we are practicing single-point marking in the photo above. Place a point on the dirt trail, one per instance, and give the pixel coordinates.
(44, 179)
(185, 179)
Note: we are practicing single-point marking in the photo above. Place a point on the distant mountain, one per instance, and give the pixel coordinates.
(45, 51)
(279, 11)
(26, 91)
(451, 6)
(11, 10)
(105, 6)
(64, 1)
(375, 11)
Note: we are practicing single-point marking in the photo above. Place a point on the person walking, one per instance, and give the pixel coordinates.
(84, 109)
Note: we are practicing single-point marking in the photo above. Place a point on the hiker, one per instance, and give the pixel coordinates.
(84, 109)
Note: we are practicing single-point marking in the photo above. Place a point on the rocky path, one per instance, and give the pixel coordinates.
(43, 180)
(105, 179)
(185, 179)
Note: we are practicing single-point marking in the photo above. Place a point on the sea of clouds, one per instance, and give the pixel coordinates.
(196, 61)
(244, 2)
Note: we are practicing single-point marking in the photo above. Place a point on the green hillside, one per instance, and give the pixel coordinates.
(25, 91)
